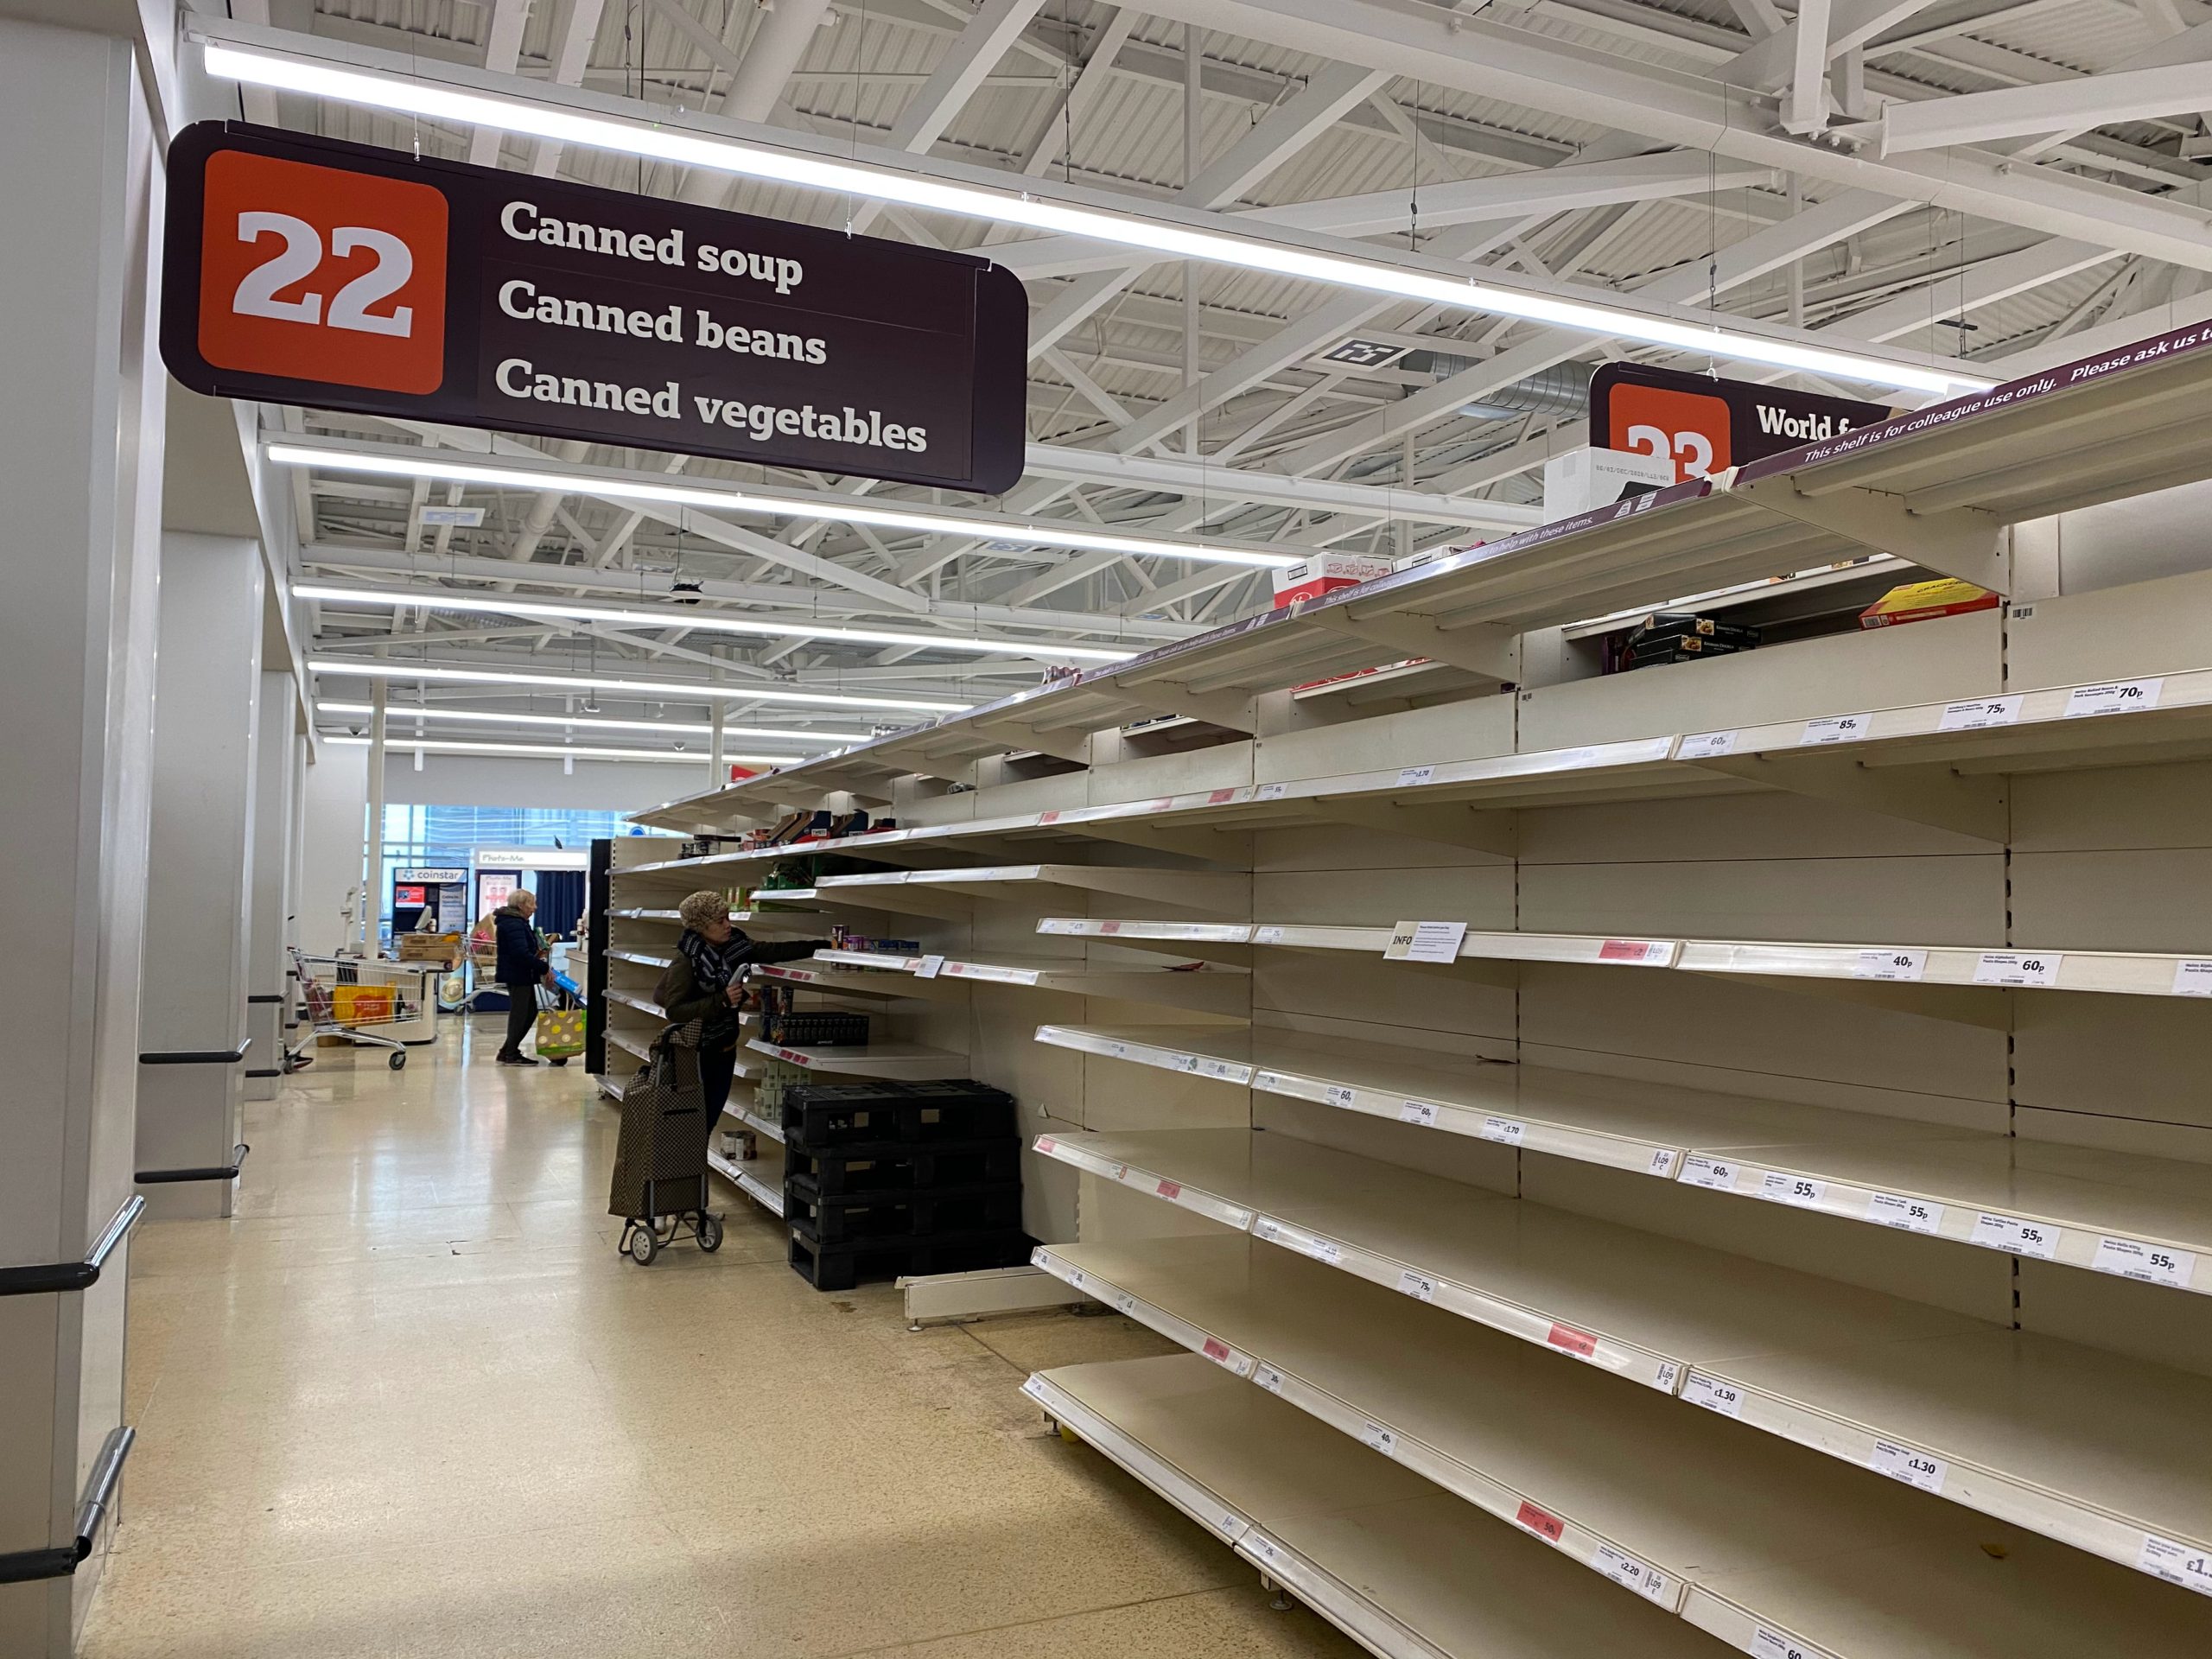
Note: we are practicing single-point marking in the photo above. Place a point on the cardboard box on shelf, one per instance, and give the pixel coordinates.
(1324, 574)
(1923, 601)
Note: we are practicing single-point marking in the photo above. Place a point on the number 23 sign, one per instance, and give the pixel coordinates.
(361, 260)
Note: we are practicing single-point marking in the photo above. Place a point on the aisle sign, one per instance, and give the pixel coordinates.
(302, 271)
(1705, 425)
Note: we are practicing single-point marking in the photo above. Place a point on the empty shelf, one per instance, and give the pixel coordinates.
(817, 974)
(1744, 1533)
(1206, 987)
(2084, 1446)
(906, 1062)
(760, 1178)
(1409, 1571)
(631, 1000)
(639, 957)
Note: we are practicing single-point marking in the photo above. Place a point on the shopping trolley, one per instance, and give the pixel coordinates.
(339, 1005)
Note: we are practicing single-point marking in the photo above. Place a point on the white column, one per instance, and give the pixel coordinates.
(81, 406)
(372, 846)
(199, 899)
(269, 918)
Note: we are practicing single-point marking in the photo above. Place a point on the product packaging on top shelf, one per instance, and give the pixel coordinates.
(1923, 601)
(1324, 574)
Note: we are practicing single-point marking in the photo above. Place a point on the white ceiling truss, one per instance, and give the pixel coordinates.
(1987, 183)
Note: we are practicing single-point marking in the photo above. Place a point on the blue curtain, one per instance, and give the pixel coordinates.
(560, 900)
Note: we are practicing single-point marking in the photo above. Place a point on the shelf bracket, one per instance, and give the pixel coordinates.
(1215, 707)
(1451, 826)
(1964, 542)
(1977, 807)
(1016, 736)
(1481, 648)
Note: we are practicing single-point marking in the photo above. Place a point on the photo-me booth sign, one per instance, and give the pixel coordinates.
(1705, 426)
(302, 270)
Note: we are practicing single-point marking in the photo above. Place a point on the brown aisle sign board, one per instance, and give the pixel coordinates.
(302, 270)
(1705, 425)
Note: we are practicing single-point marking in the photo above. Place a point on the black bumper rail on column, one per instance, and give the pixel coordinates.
(59, 1561)
(208, 1172)
(196, 1055)
(43, 1277)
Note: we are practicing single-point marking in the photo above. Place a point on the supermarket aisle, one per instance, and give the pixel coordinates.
(411, 1402)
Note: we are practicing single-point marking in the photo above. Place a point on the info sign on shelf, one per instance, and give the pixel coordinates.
(302, 271)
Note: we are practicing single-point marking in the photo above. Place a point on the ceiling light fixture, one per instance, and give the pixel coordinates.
(444, 465)
(385, 668)
(494, 717)
(702, 621)
(418, 95)
(552, 752)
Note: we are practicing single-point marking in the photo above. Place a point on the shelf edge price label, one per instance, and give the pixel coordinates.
(1167, 1189)
(1268, 1378)
(1633, 951)
(2039, 967)
(1714, 1174)
(2193, 976)
(1125, 1302)
(1978, 714)
(1566, 1338)
(1705, 746)
(1907, 1214)
(1338, 1094)
(1266, 936)
(1631, 1574)
(1714, 1394)
(1417, 1111)
(1542, 1522)
(1801, 1192)
(1419, 1286)
(1770, 1644)
(2014, 1236)
(2153, 1264)
(1270, 792)
(1381, 1438)
(1835, 728)
(1668, 1374)
(1506, 1131)
(1425, 942)
(1906, 966)
(1409, 776)
(931, 967)
(2175, 1563)
(1921, 1469)
(1226, 1357)
(1663, 1162)
(2114, 697)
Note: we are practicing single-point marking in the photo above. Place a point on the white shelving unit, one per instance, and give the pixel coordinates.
(819, 973)
(1966, 1426)
(2063, 1440)
(1738, 1532)
(1406, 1570)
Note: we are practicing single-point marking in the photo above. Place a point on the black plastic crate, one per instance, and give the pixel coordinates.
(822, 1119)
(841, 1267)
(896, 1166)
(852, 1218)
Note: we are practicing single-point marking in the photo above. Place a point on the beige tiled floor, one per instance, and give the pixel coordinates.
(411, 1402)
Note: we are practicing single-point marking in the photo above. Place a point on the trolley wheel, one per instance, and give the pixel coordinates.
(710, 1232)
(398, 1060)
(644, 1244)
(564, 1060)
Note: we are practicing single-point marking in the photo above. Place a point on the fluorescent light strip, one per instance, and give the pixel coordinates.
(1047, 533)
(550, 751)
(408, 96)
(699, 621)
(683, 727)
(386, 669)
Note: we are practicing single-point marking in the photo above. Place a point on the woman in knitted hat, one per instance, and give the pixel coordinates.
(704, 983)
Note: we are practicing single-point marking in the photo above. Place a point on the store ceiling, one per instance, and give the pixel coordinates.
(1676, 184)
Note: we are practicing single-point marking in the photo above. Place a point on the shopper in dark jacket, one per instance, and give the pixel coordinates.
(521, 968)
(704, 983)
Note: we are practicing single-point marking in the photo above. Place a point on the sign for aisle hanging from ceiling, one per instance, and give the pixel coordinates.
(1705, 426)
(302, 270)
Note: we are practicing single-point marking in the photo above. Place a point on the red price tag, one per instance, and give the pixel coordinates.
(1575, 1341)
(1548, 1526)
(1169, 1189)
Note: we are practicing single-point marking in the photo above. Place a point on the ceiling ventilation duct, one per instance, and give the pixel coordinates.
(1563, 389)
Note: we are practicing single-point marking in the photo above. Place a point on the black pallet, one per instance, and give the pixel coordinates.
(855, 1217)
(841, 1267)
(825, 1118)
(899, 1167)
